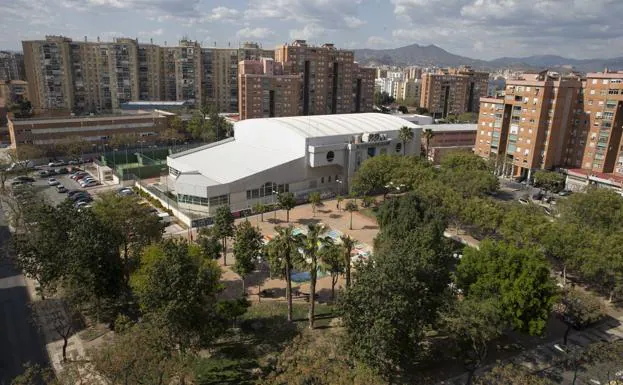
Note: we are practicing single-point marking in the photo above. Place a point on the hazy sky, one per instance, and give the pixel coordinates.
(482, 29)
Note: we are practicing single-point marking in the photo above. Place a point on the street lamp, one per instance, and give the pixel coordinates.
(275, 193)
(340, 183)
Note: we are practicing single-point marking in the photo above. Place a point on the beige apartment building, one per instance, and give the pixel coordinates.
(13, 91)
(182, 72)
(265, 91)
(332, 82)
(453, 91)
(51, 132)
(547, 121)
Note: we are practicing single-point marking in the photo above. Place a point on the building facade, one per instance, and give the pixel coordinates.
(11, 66)
(546, 121)
(453, 91)
(48, 133)
(13, 91)
(293, 154)
(265, 91)
(441, 139)
(332, 82)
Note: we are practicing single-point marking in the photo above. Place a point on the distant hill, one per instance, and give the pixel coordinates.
(432, 55)
(415, 54)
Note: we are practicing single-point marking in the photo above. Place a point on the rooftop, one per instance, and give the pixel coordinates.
(329, 125)
(157, 103)
(94, 118)
(450, 127)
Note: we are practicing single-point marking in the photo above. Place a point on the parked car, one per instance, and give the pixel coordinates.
(91, 184)
(25, 179)
(523, 201)
(74, 192)
(61, 171)
(61, 189)
(77, 197)
(125, 192)
(85, 181)
(43, 174)
(53, 182)
(51, 172)
(78, 174)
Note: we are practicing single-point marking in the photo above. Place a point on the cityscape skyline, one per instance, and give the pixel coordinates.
(473, 28)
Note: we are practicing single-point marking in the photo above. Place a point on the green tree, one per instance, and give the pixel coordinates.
(259, 208)
(282, 256)
(601, 262)
(173, 132)
(351, 207)
(348, 244)
(219, 125)
(599, 209)
(578, 309)
(383, 99)
(395, 296)
(332, 261)
(549, 180)
(311, 245)
(428, 135)
(406, 135)
(287, 202)
(223, 227)
(94, 281)
(209, 242)
(473, 325)
(34, 374)
(564, 245)
(133, 225)
(524, 226)
(199, 126)
(314, 199)
(142, 354)
(374, 174)
(518, 279)
(247, 248)
(176, 289)
(485, 215)
(468, 174)
(40, 251)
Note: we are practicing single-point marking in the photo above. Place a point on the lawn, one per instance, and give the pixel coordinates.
(244, 354)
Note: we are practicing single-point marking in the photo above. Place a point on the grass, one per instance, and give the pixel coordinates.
(369, 212)
(243, 355)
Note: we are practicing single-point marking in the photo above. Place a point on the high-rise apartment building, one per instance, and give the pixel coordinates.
(546, 121)
(49, 73)
(265, 91)
(13, 91)
(150, 72)
(11, 66)
(453, 91)
(332, 81)
(182, 72)
(412, 90)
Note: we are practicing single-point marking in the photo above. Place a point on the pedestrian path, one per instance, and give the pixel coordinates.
(545, 356)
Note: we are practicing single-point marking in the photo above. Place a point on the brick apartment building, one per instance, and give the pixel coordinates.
(546, 121)
(453, 91)
(47, 133)
(447, 138)
(332, 82)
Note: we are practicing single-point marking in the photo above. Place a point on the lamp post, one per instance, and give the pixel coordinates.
(275, 198)
(339, 183)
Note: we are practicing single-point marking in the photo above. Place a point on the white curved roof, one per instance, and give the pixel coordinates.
(325, 125)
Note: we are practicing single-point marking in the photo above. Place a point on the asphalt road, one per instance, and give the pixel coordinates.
(19, 340)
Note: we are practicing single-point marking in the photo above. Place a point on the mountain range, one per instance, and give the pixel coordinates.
(432, 55)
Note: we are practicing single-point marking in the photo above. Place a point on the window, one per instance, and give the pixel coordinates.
(330, 156)
(399, 146)
(322, 180)
(329, 179)
(594, 81)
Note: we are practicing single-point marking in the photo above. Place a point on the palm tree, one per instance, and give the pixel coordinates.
(282, 254)
(428, 135)
(310, 245)
(333, 263)
(340, 199)
(350, 207)
(347, 247)
(406, 135)
(314, 199)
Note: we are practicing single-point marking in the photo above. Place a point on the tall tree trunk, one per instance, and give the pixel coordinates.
(312, 293)
(564, 276)
(566, 335)
(288, 216)
(262, 216)
(65, 343)
(224, 251)
(243, 288)
(348, 270)
(470, 376)
(289, 290)
(404, 148)
(333, 282)
(351, 221)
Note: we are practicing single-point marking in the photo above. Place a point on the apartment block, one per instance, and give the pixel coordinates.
(47, 133)
(603, 100)
(150, 72)
(48, 72)
(330, 77)
(265, 91)
(453, 91)
(363, 89)
(543, 122)
(221, 78)
(182, 72)
(11, 66)
(13, 91)
(412, 90)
